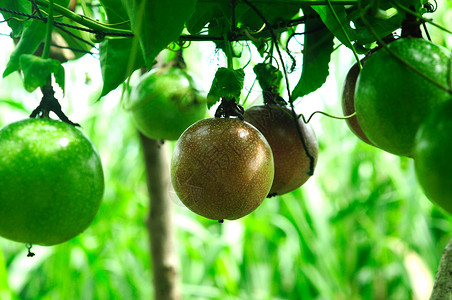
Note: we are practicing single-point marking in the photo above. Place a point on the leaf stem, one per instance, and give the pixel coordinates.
(49, 29)
(228, 51)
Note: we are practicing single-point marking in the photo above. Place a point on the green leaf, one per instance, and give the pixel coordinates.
(204, 12)
(15, 22)
(30, 40)
(37, 71)
(318, 46)
(381, 27)
(268, 76)
(118, 57)
(227, 84)
(14, 104)
(118, 60)
(331, 22)
(157, 23)
(271, 11)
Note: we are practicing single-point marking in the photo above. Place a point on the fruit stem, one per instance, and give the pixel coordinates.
(228, 52)
(228, 108)
(179, 61)
(273, 98)
(411, 25)
(400, 59)
(50, 103)
(49, 29)
(29, 254)
(424, 20)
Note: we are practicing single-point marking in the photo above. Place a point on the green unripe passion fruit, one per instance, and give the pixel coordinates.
(51, 181)
(392, 100)
(165, 102)
(432, 156)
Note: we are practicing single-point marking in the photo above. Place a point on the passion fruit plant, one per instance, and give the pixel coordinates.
(404, 82)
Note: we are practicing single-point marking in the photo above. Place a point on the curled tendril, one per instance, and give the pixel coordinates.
(431, 8)
(177, 46)
(306, 121)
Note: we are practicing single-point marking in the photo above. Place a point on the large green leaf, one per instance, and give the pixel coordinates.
(317, 49)
(157, 23)
(339, 30)
(118, 60)
(118, 57)
(15, 22)
(31, 38)
(203, 14)
(380, 27)
(227, 84)
(37, 71)
(268, 76)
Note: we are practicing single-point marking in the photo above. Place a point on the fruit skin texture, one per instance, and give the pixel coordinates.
(51, 181)
(432, 156)
(222, 168)
(292, 164)
(348, 103)
(392, 101)
(165, 102)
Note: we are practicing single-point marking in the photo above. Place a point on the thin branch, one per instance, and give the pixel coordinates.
(83, 20)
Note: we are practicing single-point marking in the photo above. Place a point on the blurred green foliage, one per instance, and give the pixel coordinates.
(359, 229)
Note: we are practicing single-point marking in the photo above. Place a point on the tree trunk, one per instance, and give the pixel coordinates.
(442, 289)
(159, 223)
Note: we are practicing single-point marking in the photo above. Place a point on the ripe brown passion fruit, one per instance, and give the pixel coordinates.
(295, 159)
(222, 168)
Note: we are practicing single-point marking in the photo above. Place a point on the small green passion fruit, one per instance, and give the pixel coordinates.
(165, 102)
(392, 100)
(294, 158)
(51, 182)
(222, 168)
(432, 156)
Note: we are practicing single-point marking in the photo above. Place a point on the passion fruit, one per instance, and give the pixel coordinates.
(392, 100)
(295, 156)
(222, 168)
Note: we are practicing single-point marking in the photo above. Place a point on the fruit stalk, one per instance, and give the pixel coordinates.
(48, 40)
(159, 222)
